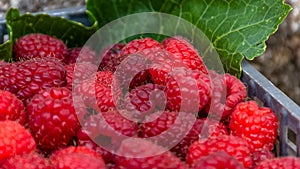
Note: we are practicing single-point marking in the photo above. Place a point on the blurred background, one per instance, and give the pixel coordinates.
(280, 63)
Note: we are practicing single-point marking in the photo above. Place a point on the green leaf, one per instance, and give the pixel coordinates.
(6, 51)
(237, 29)
(72, 33)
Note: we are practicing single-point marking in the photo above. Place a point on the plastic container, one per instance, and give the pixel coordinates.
(259, 88)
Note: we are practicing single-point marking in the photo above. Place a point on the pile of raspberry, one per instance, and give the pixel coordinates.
(79, 108)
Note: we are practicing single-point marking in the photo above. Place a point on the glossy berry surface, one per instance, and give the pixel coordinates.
(257, 125)
(280, 163)
(202, 128)
(27, 161)
(39, 45)
(227, 92)
(12, 108)
(218, 160)
(27, 78)
(52, 118)
(77, 158)
(14, 140)
(145, 155)
(232, 145)
(145, 100)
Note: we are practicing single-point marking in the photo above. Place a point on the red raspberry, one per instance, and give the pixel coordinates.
(173, 130)
(76, 73)
(78, 149)
(165, 120)
(162, 67)
(179, 53)
(187, 91)
(14, 140)
(109, 128)
(145, 100)
(145, 47)
(262, 155)
(202, 128)
(27, 161)
(227, 92)
(84, 140)
(133, 71)
(181, 49)
(27, 78)
(39, 45)
(77, 158)
(81, 55)
(257, 125)
(280, 163)
(232, 145)
(146, 155)
(104, 87)
(162, 121)
(115, 120)
(218, 160)
(165, 42)
(11, 108)
(52, 118)
(111, 57)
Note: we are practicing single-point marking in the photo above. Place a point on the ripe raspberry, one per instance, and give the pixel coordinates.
(181, 49)
(38, 45)
(143, 155)
(14, 140)
(218, 160)
(111, 57)
(76, 73)
(257, 125)
(145, 47)
(11, 108)
(83, 139)
(52, 118)
(164, 122)
(78, 149)
(161, 124)
(179, 53)
(133, 71)
(27, 161)
(109, 128)
(162, 67)
(81, 55)
(232, 145)
(165, 42)
(173, 130)
(227, 92)
(145, 100)
(280, 163)
(115, 120)
(262, 155)
(77, 158)
(27, 78)
(187, 91)
(104, 87)
(139, 53)
(202, 128)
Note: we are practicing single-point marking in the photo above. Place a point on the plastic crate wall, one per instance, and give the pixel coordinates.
(260, 88)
